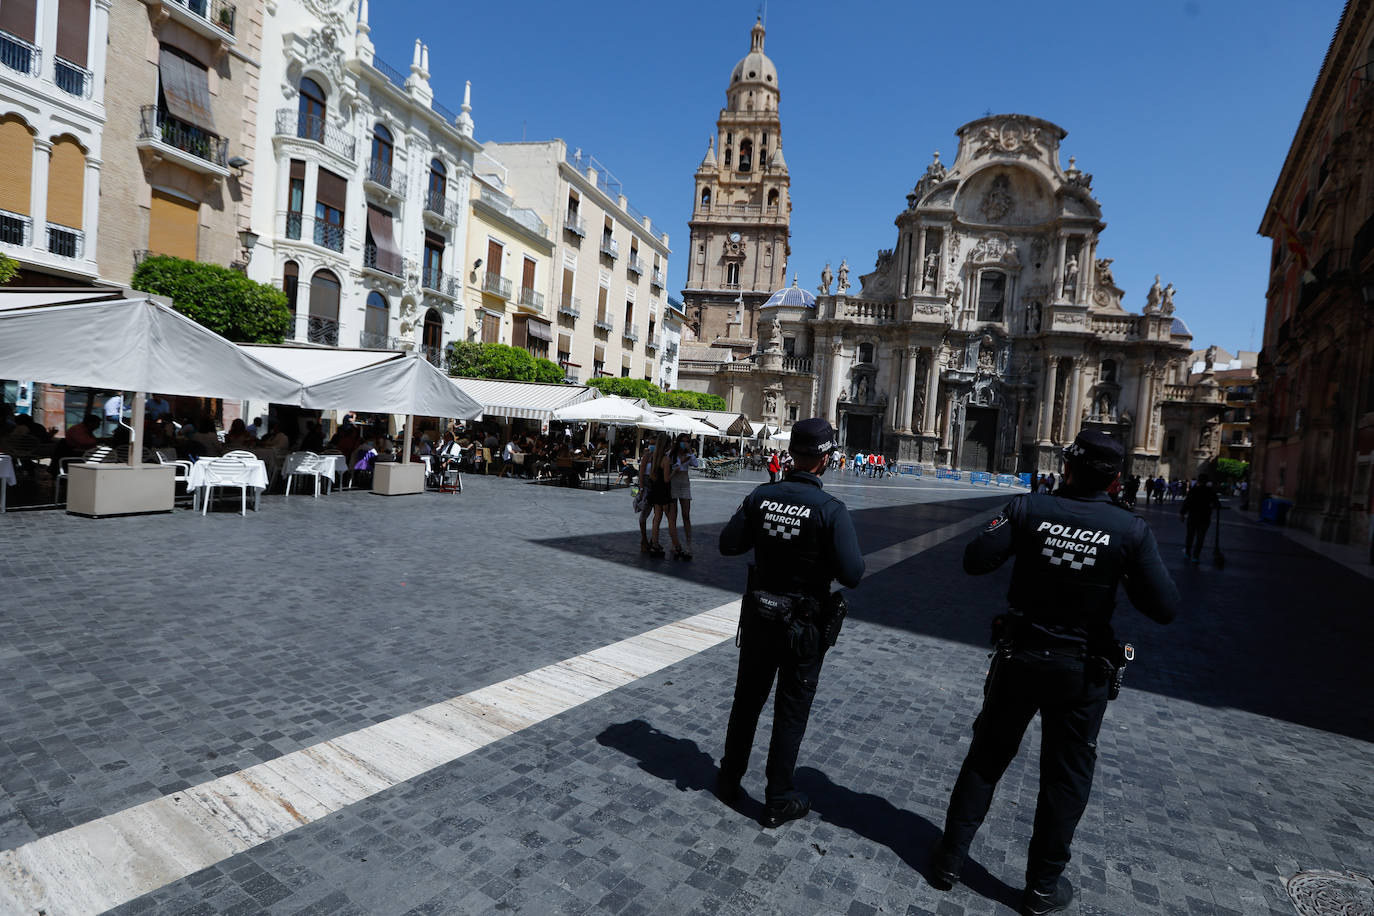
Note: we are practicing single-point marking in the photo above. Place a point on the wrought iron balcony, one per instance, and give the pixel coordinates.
(577, 227)
(385, 261)
(160, 126)
(531, 299)
(496, 284)
(328, 235)
(434, 279)
(610, 247)
(19, 55)
(605, 324)
(651, 345)
(635, 265)
(72, 79)
(630, 332)
(65, 242)
(437, 205)
(370, 340)
(322, 330)
(293, 225)
(219, 14)
(384, 175)
(570, 306)
(657, 278)
(15, 229)
(293, 123)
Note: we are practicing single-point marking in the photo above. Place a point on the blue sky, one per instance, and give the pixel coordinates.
(1183, 110)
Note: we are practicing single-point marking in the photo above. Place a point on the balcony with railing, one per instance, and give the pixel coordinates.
(658, 279)
(630, 332)
(370, 340)
(439, 207)
(293, 123)
(292, 228)
(19, 55)
(328, 235)
(496, 285)
(381, 175)
(397, 78)
(16, 229)
(322, 330)
(610, 247)
(531, 299)
(66, 242)
(577, 227)
(651, 345)
(604, 323)
(570, 306)
(185, 144)
(796, 364)
(71, 78)
(435, 280)
(387, 262)
(634, 265)
(203, 15)
(506, 207)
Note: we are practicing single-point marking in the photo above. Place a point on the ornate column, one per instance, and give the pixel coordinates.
(90, 209)
(38, 193)
(909, 422)
(1072, 412)
(1087, 273)
(1059, 266)
(947, 438)
(832, 410)
(921, 263)
(1144, 403)
(1049, 380)
(932, 382)
(95, 55)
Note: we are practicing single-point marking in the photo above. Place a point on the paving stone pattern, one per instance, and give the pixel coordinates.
(140, 656)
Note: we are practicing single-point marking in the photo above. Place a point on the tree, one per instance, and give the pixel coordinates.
(693, 400)
(223, 300)
(631, 388)
(8, 268)
(471, 359)
(1229, 470)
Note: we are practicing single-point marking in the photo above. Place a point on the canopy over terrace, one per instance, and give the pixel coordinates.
(608, 409)
(522, 400)
(723, 422)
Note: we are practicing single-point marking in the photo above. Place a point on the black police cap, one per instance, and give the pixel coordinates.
(1097, 450)
(813, 436)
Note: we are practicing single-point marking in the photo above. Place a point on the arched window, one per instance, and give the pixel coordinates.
(432, 335)
(746, 154)
(773, 197)
(324, 309)
(310, 123)
(992, 294)
(377, 322)
(290, 284)
(438, 185)
(706, 197)
(16, 149)
(727, 157)
(66, 200)
(865, 352)
(379, 168)
(732, 274)
(1108, 370)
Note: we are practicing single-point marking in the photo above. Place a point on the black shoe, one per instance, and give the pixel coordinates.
(1037, 903)
(790, 809)
(944, 869)
(727, 788)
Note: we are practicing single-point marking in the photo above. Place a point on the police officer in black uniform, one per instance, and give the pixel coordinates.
(802, 538)
(1057, 655)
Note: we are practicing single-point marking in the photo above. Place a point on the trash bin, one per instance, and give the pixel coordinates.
(1275, 510)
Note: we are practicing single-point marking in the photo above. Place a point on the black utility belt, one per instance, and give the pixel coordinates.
(796, 612)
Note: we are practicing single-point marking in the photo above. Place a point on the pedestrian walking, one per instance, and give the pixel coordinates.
(643, 503)
(774, 467)
(803, 539)
(680, 489)
(1056, 654)
(661, 496)
(1196, 514)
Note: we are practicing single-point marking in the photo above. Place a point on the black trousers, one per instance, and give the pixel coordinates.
(764, 655)
(1071, 698)
(1195, 535)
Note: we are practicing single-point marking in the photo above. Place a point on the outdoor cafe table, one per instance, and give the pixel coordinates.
(7, 479)
(253, 473)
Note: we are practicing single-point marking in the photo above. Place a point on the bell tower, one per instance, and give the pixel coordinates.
(741, 209)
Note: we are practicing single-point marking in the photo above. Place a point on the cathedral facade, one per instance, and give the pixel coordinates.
(986, 338)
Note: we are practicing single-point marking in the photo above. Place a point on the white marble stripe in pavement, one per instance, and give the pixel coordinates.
(103, 863)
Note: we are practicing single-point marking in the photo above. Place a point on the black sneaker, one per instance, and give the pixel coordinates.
(727, 788)
(944, 869)
(1037, 903)
(789, 809)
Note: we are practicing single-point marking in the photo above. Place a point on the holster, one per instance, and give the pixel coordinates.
(1111, 660)
(1003, 644)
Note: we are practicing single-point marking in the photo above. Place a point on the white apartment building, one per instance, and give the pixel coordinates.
(670, 343)
(364, 181)
(52, 115)
(610, 267)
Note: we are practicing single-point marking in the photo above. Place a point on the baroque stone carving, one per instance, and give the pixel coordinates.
(1104, 272)
(1011, 137)
(1153, 297)
(843, 277)
(995, 249)
(826, 279)
(1166, 305)
(997, 201)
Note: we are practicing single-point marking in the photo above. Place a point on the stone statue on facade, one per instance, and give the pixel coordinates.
(1034, 315)
(1167, 300)
(770, 404)
(826, 278)
(861, 390)
(1071, 275)
(775, 337)
(1210, 358)
(1153, 297)
(931, 271)
(843, 284)
(1104, 272)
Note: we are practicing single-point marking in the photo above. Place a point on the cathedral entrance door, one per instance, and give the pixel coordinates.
(858, 433)
(980, 438)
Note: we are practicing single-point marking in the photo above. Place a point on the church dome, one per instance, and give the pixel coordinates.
(755, 67)
(791, 297)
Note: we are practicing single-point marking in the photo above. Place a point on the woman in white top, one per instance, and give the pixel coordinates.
(680, 488)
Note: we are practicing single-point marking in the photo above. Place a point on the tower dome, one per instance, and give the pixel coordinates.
(755, 67)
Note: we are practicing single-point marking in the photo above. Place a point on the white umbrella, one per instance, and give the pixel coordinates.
(681, 423)
(608, 409)
(780, 438)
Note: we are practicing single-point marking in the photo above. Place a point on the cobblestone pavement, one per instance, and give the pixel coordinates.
(143, 656)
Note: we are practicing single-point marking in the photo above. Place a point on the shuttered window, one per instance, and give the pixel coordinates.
(567, 287)
(495, 251)
(73, 29)
(16, 152)
(491, 328)
(185, 87)
(173, 226)
(66, 179)
(18, 17)
(332, 190)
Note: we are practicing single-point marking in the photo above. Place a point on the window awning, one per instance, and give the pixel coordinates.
(331, 190)
(540, 330)
(186, 89)
(522, 400)
(379, 223)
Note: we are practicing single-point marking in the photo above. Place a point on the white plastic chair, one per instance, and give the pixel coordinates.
(224, 473)
(98, 455)
(310, 465)
(168, 457)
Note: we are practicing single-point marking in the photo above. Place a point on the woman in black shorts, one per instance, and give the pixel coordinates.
(661, 494)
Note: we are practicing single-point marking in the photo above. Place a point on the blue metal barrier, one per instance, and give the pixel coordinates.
(949, 474)
(982, 477)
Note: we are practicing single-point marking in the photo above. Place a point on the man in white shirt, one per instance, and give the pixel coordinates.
(508, 454)
(114, 410)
